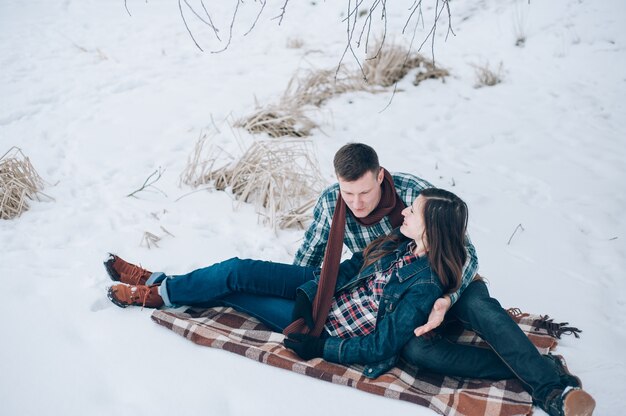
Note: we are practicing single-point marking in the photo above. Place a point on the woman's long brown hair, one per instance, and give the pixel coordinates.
(445, 220)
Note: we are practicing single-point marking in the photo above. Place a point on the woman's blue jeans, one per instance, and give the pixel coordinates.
(263, 289)
(511, 355)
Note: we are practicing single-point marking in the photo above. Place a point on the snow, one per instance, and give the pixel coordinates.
(98, 100)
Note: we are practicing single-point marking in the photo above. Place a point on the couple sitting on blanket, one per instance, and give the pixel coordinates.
(413, 265)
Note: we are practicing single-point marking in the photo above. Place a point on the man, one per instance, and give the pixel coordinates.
(364, 188)
(360, 183)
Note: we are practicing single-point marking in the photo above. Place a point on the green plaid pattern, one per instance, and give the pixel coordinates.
(357, 236)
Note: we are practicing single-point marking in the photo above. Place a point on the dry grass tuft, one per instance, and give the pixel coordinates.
(278, 120)
(485, 77)
(298, 217)
(392, 62)
(428, 70)
(295, 43)
(315, 87)
(150, 239)
(202, 162)
(288, 118)
(19, 182)
(389, 64)
(280, 177)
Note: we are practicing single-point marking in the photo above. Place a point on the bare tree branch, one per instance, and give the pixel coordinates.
(408, 52)
(368, 23)
(230, 30)
(382, 42)
(282, 13)
(432, 45)
(354, 11)
(180, 7)
(350, 32)
(358, 31)
(416, 6)
(433, 29)
(209, 23)
(263, 2)
(215, 30)
(450, 30)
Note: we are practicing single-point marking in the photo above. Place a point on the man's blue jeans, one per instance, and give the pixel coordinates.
(263, 289)
(511, 355)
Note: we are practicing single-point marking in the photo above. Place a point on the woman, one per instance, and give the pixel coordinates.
(380, 296)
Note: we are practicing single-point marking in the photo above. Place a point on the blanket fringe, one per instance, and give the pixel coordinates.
(555, 329)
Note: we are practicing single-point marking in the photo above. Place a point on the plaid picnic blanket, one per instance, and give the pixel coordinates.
(233, 331)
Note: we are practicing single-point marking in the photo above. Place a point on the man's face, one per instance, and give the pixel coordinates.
(363, 194)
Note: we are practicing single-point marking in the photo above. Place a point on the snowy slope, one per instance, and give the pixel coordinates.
(99, 99)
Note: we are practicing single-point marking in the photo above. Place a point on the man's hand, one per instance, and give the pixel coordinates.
(436, 316)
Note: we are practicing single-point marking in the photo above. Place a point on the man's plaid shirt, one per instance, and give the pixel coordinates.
(357, 236)
(354, 311)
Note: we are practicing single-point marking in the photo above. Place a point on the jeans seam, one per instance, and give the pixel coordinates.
(503, 360)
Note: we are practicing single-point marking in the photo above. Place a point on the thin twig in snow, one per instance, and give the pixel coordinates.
(519, 226)
(193, 192)
(165, 231)
(147, 183)
(149, 239)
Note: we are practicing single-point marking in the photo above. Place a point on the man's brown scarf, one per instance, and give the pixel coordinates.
(390, 205)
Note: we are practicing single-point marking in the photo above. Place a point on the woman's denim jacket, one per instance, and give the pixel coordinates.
(406, 302)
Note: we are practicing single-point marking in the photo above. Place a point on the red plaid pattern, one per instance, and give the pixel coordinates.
(353, 312)
(233, 331)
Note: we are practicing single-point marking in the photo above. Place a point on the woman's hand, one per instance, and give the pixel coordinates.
(436, 316)
(306, 346)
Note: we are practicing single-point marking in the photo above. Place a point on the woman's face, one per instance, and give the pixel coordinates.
(413, 225)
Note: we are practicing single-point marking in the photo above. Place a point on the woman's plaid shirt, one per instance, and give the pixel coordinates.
(353, 312)
(357, 236)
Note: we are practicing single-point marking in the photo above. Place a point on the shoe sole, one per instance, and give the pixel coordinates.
(117, 277)
(578, 403)
(564, 365)
(108, 265)
(115, 301)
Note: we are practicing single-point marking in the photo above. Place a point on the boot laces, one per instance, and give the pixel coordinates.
(135, 274)
(139, 295)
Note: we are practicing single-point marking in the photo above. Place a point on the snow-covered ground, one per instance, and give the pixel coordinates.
(99, 99)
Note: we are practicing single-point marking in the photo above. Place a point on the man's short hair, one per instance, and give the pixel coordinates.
(354, 160)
